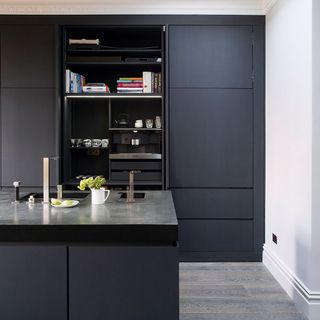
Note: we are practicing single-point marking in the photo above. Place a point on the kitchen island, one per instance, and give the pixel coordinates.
(112, 261)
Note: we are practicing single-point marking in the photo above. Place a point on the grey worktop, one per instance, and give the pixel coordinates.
(116, 219)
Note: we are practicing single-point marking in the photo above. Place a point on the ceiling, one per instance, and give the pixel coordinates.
(135, 6)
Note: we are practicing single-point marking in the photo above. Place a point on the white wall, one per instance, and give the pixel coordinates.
(315, 285)
(292, 152)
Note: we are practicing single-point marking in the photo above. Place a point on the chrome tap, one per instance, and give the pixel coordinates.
(46, 178)
(130, 192)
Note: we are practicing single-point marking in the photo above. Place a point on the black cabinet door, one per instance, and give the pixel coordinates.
(210, 56)
(28, 124)
(123, 283)
(211, 138)
(216, 235)
(33, 282)
(27, 56)
(224, 204)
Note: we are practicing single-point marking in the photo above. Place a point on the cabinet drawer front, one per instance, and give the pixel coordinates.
(211, 138)
(135, 165)
(216, 235)
(213, 204)
(210, 56)
(142, 176)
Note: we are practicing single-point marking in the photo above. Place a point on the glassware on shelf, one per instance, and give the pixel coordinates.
(149, 123)
(158, 122)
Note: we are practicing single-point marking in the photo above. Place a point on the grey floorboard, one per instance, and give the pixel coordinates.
(227, 291)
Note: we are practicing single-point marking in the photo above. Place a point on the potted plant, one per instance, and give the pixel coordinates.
(98, 194)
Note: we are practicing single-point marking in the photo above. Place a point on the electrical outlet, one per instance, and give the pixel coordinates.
(274, 238)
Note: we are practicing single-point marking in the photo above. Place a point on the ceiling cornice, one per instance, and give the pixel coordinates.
(268, 5)
(240, 7)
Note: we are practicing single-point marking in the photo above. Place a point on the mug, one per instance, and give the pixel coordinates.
(73, 142)
(149, 123)
(138, 124)
(104, 143)
(96, 143)
(98, 196)
(87, 143)
(79, 143)
(158, 122)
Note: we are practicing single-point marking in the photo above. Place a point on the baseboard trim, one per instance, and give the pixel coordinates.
(307, 301)
(198, 256)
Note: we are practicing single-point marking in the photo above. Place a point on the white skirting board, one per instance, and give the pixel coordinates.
(307, 302)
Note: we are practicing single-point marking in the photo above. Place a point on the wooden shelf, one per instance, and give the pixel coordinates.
(113, 95)
(134, 129)
(136, 182)
(135, 156)
(89, 148)
(109, 63)
(115, 50)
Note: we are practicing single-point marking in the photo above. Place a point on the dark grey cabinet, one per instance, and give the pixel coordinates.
(33, 282)
(28, 124)
(213, 203)
(28, 56)
(216, 235)
(28, 102)
(216, 141)
(123, 283)
(211, 134)
(210, 56)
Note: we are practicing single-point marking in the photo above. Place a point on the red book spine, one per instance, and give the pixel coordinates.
(130, 85)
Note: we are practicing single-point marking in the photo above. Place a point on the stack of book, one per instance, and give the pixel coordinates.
(130, 85)
(152, 82)
(74, 82)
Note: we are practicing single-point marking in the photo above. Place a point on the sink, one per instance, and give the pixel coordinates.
(137, 195)
(66, 195)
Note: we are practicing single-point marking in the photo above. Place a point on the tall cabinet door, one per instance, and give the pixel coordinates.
(212, 140)
(210, 56)
(28, 103)
(28, 134)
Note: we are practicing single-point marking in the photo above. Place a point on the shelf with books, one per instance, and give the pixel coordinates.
(113, 95)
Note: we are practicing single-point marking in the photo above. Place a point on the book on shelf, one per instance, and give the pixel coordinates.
(130, 85)
(152, 82)
(131, 79)
(74, 82)
(96, 88)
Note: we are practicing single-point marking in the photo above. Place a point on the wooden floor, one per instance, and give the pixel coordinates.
(237, 291)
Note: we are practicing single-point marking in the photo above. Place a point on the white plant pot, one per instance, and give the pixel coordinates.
(99, 196)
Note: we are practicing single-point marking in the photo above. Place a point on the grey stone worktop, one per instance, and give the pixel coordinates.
(156, 208)
(149, 220)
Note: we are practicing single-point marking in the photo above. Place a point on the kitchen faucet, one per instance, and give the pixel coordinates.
(130, 193)
(46, 178)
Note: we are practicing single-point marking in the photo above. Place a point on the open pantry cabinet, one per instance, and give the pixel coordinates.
(106, 132)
